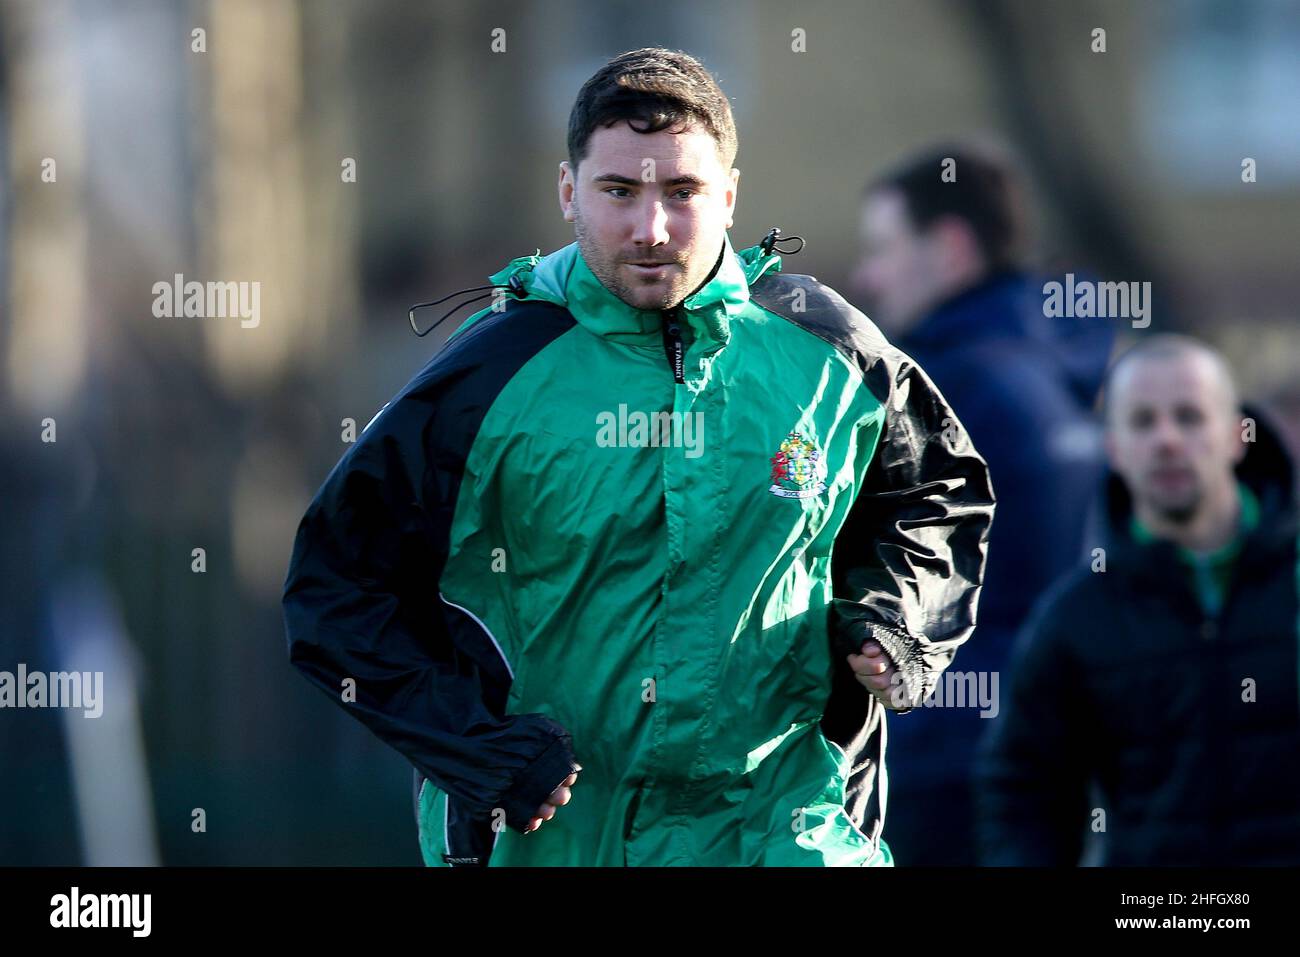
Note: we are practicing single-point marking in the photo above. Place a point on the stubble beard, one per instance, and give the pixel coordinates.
(1180, 512)
(678, 287)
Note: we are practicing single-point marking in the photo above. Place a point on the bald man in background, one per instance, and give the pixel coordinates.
(1165, 670)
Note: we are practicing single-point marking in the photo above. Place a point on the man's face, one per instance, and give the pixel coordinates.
(900, 271)
(650, 211)
(1170, 434)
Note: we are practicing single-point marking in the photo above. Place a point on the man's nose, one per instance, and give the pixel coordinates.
(651, 225)
(1168, 436)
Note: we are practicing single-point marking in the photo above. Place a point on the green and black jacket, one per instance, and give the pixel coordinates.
(643, 542)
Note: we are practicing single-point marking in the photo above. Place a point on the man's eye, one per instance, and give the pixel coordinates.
(620, 190)
(684, 194)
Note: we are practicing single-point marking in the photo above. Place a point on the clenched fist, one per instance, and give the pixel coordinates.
(559, 797)
(876, 672)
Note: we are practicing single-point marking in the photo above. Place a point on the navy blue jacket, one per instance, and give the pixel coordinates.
(1023, 385)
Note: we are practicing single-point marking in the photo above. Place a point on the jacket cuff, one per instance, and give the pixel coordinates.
(534, 784)
(905, 652)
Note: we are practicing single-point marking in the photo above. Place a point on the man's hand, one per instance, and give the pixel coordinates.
(559, 797)
(878, 675)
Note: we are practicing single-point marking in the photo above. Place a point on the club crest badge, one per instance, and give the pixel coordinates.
(798, 469)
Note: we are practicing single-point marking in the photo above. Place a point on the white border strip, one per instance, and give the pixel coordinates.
(486, 630)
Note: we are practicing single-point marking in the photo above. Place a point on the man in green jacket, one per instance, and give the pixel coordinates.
(631, 570)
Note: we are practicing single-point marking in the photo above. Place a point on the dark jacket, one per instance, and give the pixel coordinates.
(1023, 386)
(1189, 724)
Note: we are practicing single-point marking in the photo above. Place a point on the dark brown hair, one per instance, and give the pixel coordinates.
(654, 89)
(988, 195)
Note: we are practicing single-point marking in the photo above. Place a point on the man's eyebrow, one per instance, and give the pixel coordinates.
(683, 180)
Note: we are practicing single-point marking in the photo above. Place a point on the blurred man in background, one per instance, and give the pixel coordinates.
(942, 271)
(1166, 668)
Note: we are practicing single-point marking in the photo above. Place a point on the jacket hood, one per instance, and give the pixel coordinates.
(1267, 469)
(564, 278)
(1008, 306)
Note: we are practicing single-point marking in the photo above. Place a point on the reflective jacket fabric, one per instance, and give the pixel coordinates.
(546, 552)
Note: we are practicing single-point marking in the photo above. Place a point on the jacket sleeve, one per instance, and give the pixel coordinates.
(1032, 773)
(909, 562)
(364, 619)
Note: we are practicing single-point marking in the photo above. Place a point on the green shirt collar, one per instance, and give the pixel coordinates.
(564, 278)
(1248, 521)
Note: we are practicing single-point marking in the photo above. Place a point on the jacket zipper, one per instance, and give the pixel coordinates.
(673, 344)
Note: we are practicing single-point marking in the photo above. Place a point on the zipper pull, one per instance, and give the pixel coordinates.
(673, 345)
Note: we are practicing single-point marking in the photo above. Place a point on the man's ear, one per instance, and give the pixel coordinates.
(957, 243)
(731, 196)
(1108, 443)
(567, 186)
(1238, 442)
